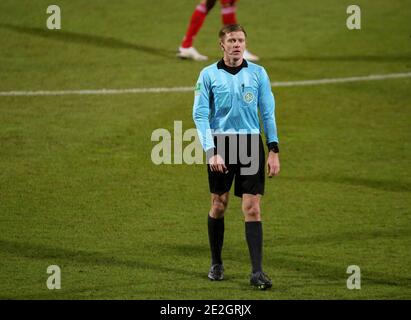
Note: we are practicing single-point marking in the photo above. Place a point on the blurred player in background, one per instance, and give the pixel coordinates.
(228, 8)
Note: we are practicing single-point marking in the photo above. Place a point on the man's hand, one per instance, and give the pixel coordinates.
(217, 164)
(273, 164)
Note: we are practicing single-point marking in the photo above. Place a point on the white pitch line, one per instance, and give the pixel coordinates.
(372, 77)
(188, 89)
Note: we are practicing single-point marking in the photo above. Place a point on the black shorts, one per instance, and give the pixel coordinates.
(245, 163)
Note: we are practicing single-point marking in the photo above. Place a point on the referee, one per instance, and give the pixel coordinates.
(229, 97)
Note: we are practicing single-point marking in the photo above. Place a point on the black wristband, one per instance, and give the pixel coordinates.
(273, 146)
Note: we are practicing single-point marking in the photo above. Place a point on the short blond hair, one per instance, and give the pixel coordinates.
(231, 28)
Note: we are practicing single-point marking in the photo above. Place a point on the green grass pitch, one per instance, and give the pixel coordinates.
(78, 188)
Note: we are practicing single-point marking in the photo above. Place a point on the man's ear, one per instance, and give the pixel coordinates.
(221, 46)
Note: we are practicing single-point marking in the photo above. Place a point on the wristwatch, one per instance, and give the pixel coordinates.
(273, 146)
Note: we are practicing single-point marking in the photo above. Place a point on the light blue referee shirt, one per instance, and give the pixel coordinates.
(229, 103)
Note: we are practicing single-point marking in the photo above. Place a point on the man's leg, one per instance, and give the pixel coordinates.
(228, 14)
(253, 229)
(254, 237)
(216, 233)
(186, 49)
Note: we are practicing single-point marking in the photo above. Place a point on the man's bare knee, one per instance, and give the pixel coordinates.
(218, 205)
(253, 213)
(251, 208)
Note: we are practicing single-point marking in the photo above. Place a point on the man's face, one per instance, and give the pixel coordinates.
(233, 45)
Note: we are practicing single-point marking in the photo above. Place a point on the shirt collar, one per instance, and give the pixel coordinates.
(232, 70)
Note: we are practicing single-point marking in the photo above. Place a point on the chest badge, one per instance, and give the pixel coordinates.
(248, 97)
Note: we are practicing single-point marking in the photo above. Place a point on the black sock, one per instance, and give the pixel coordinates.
(254, 237)
(216, 238)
